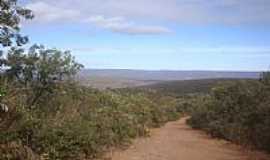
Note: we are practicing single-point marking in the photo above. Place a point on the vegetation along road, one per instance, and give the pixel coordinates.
(177, 141)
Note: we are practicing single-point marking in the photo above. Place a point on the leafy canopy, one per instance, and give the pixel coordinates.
(40, 69)
(37, 70)
(11, 15)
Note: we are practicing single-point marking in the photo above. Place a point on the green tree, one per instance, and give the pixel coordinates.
(11, 15)
(40, 70)
(36, 71)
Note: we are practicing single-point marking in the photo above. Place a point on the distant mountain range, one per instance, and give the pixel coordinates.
(165, 75)
(117, 78)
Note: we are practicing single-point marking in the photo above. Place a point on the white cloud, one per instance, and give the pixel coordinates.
(228, 12)
(49, 13)
(45, 13)
(121, 25)
(129, 16)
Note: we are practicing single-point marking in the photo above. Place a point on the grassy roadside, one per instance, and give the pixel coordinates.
(81, 123)
(236, 111)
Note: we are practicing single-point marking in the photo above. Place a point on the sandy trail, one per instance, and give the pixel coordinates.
(177, 141)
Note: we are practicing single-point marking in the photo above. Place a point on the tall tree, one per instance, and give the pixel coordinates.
(40, 69)
(11, 14)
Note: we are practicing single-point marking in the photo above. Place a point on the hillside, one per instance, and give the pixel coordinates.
(165, 75)
(187, 86)
(110, 78)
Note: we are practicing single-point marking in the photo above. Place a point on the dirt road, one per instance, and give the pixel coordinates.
(177, 141)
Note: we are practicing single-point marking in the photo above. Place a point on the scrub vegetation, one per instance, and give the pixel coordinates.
(45, 114)
(237, 111)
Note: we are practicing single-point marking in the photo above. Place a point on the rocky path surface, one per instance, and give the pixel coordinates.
(177, 141)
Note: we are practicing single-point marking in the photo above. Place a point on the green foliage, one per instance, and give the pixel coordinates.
(2, 93)
(10, 16)
(80, 123)
(184, 87)
(49, 116)
(39, 71)
(239, 112)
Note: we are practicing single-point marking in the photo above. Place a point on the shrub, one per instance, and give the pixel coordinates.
(239, 112)
(80, 122)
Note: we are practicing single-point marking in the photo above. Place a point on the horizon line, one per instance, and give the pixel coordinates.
(177, 70)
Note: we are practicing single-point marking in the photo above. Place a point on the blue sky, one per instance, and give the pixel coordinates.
(156, 34)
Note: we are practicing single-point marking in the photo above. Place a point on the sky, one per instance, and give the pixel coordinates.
(229, 35)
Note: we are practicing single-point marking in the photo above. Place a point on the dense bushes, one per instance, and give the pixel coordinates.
(47, 116)
(237, 111)
(80, 123)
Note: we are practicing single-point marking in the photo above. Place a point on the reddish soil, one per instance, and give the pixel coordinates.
(178, 141)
